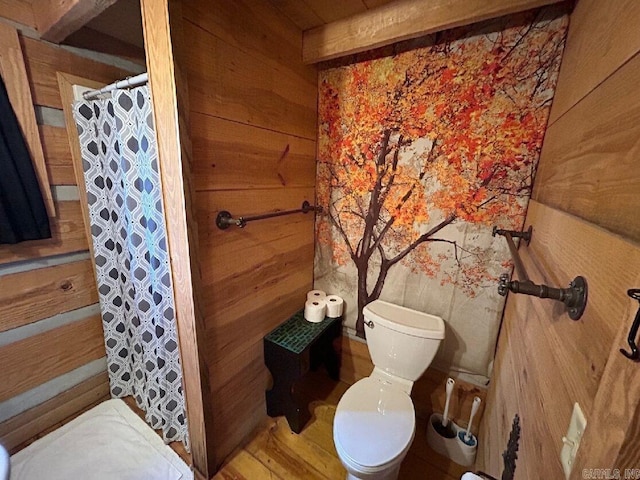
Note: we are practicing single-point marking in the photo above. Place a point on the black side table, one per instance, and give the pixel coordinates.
(289, 352)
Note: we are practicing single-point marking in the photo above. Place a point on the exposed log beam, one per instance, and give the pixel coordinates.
(402, 20)
(57, 19)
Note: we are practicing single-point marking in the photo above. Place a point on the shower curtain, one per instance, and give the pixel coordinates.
(120, 163)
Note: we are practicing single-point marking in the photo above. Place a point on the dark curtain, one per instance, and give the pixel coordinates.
(23, 215)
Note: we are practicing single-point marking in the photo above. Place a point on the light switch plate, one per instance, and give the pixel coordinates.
(571, 442)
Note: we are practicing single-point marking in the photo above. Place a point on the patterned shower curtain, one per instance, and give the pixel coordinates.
(120, 162)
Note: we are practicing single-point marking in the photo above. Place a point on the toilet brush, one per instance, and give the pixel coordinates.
(466, 436)
(443, 428)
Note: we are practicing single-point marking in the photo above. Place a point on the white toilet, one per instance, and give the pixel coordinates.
(375, 419)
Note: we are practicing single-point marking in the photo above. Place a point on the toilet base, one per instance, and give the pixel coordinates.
(392, 475)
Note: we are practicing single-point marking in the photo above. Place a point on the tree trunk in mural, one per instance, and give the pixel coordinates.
(375, 231)
(413, 143)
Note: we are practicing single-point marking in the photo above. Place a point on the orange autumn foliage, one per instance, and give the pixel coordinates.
(412, 143)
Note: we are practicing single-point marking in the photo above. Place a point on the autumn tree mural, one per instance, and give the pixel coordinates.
(412, 143)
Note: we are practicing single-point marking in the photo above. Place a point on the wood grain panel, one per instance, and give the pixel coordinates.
(226, 82)
(36, 294)
(257, 243)
(35, 360)
(44, 60)
(14, 73)
(229, 156)
(540, 443)
(253, 118)
(603, 36)
(230, 343)
(587, 168)
(299, 13)
(400, 21)
(589, 157)
(66, 83)
(608, 274)
(615, 409)
(376, 3)
(332, 11)
(29, 424)
(239, 405)
(313, 13)
(501, 407)
(256, 29)
(67, 236)
(258, 247)
(19, 11)
(165, 47)
(57, 155)
(557, 361)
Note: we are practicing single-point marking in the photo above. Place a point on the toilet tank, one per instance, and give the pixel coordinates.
(401, 341)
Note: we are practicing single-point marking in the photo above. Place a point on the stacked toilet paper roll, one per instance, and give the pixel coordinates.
(320, 305)
(316, 295)
(334, 306)
(315, 310)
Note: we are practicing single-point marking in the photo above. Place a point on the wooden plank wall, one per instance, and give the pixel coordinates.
(164, 36)
(50, 328)
(585, 223)
(253, 129)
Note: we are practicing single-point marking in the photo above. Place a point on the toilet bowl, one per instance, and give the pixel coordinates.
(370, 410)
(374, 423)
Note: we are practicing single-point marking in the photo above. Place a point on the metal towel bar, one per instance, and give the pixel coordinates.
(225, 220)
(574, 297)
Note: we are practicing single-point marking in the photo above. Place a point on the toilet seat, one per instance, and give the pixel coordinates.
(371, 409)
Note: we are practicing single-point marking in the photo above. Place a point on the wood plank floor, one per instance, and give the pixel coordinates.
(274, 452)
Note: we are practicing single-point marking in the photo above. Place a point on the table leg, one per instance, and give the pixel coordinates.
(282, 398)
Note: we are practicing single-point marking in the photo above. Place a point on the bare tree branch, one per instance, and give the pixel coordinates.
(343, 235)
(421, 239)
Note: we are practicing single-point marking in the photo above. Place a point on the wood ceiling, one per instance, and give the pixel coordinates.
(332, 28)
(308, 14)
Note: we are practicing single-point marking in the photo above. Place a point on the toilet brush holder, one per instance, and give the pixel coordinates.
(461, 451)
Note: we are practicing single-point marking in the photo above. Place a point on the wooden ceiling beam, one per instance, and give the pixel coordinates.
(402, 20)
(57, 19)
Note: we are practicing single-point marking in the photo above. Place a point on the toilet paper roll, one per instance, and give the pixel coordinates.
(316, 295)
(314, 310)
(334, 306)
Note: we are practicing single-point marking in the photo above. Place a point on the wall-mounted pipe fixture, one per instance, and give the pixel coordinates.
(634, 354)
(574, 297)
(225, 220)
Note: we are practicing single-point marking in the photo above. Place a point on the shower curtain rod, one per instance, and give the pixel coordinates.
(127, 82)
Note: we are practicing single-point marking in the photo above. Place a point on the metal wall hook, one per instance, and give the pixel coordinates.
(633, 331)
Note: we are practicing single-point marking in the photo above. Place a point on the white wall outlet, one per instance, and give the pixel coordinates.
(571, 442)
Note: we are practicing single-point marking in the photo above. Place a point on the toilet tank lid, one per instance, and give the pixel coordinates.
(405, 320)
